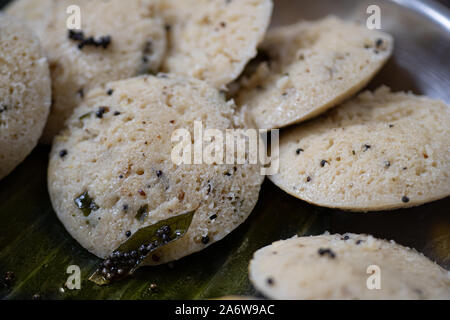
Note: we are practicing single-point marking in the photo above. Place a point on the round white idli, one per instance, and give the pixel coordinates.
(310, 67)
(122, 40)
(379, 151)
(342, 267)
(213, 40)
(25, 93)
(117, 151)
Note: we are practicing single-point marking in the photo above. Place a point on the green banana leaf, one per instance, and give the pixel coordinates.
(36, 248)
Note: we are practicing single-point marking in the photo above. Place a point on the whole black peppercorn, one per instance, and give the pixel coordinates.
(405, 199)
(165, 238)
(128, 234)
(63, 153)
(110, 92)
(142, 249)
(165, 229)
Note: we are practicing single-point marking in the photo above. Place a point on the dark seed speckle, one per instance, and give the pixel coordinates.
(322, 252)
(205, 239)
(366, 147)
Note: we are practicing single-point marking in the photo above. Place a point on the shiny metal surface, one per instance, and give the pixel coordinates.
(421, 61)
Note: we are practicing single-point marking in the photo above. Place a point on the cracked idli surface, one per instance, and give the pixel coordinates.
(116, 153)
(25, 93)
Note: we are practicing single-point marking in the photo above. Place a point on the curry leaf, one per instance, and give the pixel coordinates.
(139, 248)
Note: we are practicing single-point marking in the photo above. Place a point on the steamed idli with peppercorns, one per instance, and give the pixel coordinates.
(213, 40)
(111, 171)
(118, 40)
(309, 67)
(25, 93)
(378, 151)
(340, 267)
